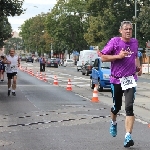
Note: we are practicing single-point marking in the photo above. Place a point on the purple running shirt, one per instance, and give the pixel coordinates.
(122, 67)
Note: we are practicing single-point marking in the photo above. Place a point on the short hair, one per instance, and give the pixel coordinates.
(125, 22)
(12, 49)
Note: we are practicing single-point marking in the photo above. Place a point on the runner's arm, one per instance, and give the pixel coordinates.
(138, 66)
(18, 62)
(108, 58)
(5, 61)
(137, 62)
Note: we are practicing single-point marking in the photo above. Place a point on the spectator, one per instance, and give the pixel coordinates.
(42, 64)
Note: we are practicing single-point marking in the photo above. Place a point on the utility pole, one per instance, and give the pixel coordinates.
(135, 17)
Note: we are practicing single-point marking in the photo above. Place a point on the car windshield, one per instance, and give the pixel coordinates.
(106, 65)
(69, 60)
(52, 60)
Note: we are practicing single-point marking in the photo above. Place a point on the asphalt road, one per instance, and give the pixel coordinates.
(47, 117)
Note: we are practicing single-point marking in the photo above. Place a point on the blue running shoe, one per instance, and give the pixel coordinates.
(128, 141)
(113, 130)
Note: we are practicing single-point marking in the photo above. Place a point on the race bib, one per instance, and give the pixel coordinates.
(13, 68)
(127, 82)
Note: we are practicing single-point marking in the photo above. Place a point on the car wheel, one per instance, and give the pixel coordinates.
(91, 84)
(100, 88)
(77, 69)
(83, 73)
(86, 73)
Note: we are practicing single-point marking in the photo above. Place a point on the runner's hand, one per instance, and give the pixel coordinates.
(123, 54)
(8, 62)
(139, 72)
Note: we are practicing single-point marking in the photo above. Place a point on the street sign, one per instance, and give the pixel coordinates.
(147, 50)
(140, 49)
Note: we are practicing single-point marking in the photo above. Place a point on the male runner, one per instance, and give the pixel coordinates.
(12, 69)
(122, 52)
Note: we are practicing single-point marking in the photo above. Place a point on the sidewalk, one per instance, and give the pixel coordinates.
(146, 76)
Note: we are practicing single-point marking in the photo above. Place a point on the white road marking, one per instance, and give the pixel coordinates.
(83, 85)
(76, 82)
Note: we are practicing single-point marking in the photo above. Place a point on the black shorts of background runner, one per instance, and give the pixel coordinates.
(11, 75)
(2, 67)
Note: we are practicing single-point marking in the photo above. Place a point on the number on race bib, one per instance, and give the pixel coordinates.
(127, 82)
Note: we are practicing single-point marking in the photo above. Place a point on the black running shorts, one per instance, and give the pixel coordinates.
(117, 94)
(11, 75)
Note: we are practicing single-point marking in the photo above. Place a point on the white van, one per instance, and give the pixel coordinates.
(86, 56)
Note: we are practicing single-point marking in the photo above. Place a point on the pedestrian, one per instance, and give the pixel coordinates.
(122, 52)
(42, 64)
(13, 62)
(2, 68)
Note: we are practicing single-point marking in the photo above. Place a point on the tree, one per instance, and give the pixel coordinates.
(66, 24)
(16, 43)
(32, 32)
(11, 7)
(5, 30)
(106, 16)
(8, 8)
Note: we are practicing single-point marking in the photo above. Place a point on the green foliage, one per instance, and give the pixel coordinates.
(77, 24)
(8, 8)
(32, 32)
(11, 7)
(16, 43)
(5, 30)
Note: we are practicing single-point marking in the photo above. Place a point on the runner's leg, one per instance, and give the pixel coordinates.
(129, 121)
(9, 76)
(2, 75)
(14, 84)
(117, 94)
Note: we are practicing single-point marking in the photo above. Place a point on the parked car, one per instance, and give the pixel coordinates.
(23, 58)
(29, 59)
(51, 62)
(100, 75)
(87, 68)
(68, 62)
(36, 59)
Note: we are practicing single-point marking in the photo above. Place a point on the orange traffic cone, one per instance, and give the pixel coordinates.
(44, 79)
(26, 69)
(20, 67)
(41, 76)
(95, 95)
(32, 73)
(149, 125)
(69, 88)
(55, 81)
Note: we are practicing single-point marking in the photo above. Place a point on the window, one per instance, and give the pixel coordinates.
(96, 63)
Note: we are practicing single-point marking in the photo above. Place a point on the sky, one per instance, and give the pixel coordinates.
(34, 7)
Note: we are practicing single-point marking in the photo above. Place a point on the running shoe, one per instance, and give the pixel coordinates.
(13, 93)
(9, 92)
(128, 141)
(113, 130)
